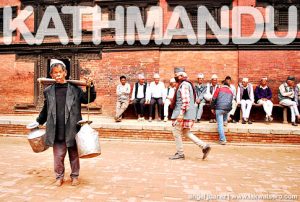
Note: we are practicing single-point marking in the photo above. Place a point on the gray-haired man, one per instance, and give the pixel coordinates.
(184, 114)
(62, 111)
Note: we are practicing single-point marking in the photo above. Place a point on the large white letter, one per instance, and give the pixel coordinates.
(77, 13)
(292, 28)
(9, 25)
(117, 24)
(205, 17)
(59, 30)
(154, 21)
(237, 13)
(180, 13)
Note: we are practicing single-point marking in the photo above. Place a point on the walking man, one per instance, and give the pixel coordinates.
(184, 114)
(220, 106)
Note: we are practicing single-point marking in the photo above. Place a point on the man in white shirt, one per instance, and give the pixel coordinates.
(230, 117)
(245, 97)
(138, 97)
(169, 94)
(201, 89)
(155, 94)
(211, 88)
(123, 91)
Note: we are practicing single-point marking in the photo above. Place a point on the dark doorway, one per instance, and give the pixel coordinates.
(67, 63)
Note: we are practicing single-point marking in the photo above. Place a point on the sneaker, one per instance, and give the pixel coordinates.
(212, 121)
(150, 119)
(233, 121)
(177, 156)
(165, 119)
(75, 182)
(294, 124)
(159, 119)
(244, 121)
(58, 182)
(271, 118)
(267, 119)
(249, 122)
(198, 121)
(142, 119)
(223, 142)
(206, 151)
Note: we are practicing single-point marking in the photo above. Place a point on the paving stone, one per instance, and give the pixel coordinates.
(141, 171)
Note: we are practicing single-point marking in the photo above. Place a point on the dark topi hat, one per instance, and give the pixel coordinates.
(291, 78)
(179, 69)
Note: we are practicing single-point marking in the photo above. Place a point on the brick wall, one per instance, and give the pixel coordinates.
(16, 83)
(167, 135)
(114, 64)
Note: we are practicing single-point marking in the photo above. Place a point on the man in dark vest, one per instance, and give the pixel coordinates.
(62, 111)
(184, 115)
(138, 97)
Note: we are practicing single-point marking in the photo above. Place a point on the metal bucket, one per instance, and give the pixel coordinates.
(37, 139)
(87, 141)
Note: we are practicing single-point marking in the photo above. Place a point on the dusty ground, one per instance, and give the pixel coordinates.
(141, 171)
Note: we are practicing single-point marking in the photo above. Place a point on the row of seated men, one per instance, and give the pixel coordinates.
(155, 93)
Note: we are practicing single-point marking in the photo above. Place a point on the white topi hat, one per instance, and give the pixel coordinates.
(55, 61)
(200, 76)
(172, 80)
(156, 76)
(141, 76)
(245, 79)
(214, 76)
(264, 78)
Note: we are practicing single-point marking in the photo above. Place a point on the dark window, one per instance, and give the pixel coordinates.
(282, 18)
(14, 15)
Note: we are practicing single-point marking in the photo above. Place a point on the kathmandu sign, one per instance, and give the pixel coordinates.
(152, 29)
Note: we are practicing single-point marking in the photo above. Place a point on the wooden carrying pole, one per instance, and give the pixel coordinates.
(52, 81)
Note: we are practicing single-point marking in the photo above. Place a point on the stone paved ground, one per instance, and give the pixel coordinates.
(141, 171)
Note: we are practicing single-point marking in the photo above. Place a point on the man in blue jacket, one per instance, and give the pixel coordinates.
(220, 106)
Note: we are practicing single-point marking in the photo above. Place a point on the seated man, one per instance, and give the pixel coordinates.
(263, 96)
(123, 91)
(211, 88)
(138, 97)
(245, 97)
(286, 95)
(155, 94)
(297, 97)
(200, 88)
(168, 98)
(230, 117)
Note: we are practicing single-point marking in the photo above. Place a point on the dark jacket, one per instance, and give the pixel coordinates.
(222, 99)
(75, 96)
(260, 93)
